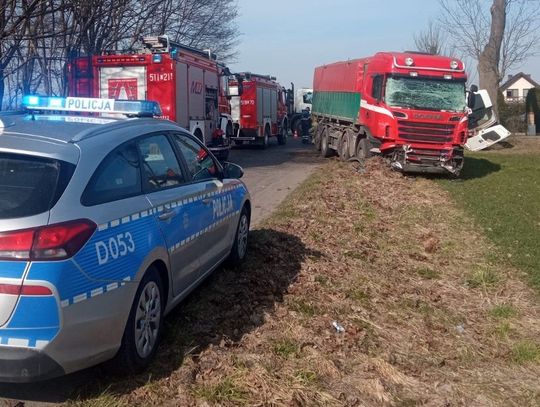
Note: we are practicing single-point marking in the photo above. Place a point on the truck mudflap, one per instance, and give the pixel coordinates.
(408, 159)
(487, 137)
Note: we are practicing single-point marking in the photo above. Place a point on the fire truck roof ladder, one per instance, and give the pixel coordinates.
(161, 44)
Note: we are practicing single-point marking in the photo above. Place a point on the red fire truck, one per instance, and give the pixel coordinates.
(258, 109)
(189, 84)
(409, 107)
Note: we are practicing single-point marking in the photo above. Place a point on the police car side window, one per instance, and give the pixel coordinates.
(159, 164)
(200, 164)
(117, 177)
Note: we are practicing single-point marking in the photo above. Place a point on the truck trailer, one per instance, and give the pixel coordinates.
(258, 109)
(409, 107)
(190, 85)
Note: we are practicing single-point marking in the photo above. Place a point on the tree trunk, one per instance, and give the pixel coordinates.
(488, 63)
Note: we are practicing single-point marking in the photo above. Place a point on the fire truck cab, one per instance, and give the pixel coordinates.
(189, 84)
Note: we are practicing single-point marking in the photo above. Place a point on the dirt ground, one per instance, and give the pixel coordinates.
(364, 289)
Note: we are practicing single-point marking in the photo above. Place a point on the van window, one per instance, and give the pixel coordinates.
(30, 185)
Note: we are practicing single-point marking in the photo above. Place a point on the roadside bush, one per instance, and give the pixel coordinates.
(512, 115)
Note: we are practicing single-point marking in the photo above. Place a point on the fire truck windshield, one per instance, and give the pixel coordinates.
(424, 93)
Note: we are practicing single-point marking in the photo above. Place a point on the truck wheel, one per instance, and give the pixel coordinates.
(282, 137)
(363, 149)
(266, 138)
(344, 153)
(144, 325)
(326, 151)
(317, 136)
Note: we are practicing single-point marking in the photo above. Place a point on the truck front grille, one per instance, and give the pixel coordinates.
(425, 132)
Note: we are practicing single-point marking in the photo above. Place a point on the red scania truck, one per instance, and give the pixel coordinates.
(258, 109)
(189, 84)
(409, 107)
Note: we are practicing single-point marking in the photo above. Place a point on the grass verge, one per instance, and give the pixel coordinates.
(362, 289)
(500, 189)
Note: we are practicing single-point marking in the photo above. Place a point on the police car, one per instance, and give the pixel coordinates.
(106, 223)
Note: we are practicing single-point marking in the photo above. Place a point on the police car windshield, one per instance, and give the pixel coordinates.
(425, 93)
(30, 185)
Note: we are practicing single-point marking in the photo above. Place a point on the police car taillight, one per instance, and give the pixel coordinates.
(53, 242)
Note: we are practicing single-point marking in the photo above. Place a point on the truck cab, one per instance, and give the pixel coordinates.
(409, 107)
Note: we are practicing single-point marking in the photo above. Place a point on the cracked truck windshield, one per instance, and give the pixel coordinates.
(425, 94)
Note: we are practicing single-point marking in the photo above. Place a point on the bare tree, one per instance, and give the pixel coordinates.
(499, 34)
(489, 59)
(38, 37)
(432, 40)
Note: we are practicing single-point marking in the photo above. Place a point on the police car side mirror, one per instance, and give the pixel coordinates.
(231, 170)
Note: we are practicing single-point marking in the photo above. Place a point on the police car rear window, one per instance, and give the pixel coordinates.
(30, 185)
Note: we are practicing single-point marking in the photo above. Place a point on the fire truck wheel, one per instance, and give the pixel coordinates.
(266, 137)
(326, 151)
(282, 138)
(363, 149)
(344, 154)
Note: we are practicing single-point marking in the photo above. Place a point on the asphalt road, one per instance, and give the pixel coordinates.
(272, 173)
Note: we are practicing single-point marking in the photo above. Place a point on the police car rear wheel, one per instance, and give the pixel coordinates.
(239, 250)
(144, 325)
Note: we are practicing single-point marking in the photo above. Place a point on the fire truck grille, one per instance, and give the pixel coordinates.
(425, 132)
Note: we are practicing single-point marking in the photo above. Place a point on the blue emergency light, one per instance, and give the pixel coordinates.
(135, 108)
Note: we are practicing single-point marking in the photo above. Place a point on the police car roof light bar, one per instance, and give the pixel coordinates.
(130, 108)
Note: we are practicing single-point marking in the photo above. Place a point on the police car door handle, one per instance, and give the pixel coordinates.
(166, 215)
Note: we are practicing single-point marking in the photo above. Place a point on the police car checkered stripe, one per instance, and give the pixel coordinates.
(202, 232)
(138, 215)
(23, 342)
(174, 204)
(94, 293)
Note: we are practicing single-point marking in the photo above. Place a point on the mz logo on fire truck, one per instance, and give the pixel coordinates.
(196, 87)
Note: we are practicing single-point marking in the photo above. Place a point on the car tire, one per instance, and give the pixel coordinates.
(239, 249)
(144, 326)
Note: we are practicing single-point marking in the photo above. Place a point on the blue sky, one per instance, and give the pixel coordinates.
(289, 38)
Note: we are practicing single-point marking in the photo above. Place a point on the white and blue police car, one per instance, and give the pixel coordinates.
(108, 219)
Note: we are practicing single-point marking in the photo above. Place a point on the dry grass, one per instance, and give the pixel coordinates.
(430, 318)
(406, 274)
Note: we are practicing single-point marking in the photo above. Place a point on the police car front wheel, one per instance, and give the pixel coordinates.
(239, 249)
(144, 325)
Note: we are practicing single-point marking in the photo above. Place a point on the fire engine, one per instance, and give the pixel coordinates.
(409, 107)
(190, 85)
(258, 109)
